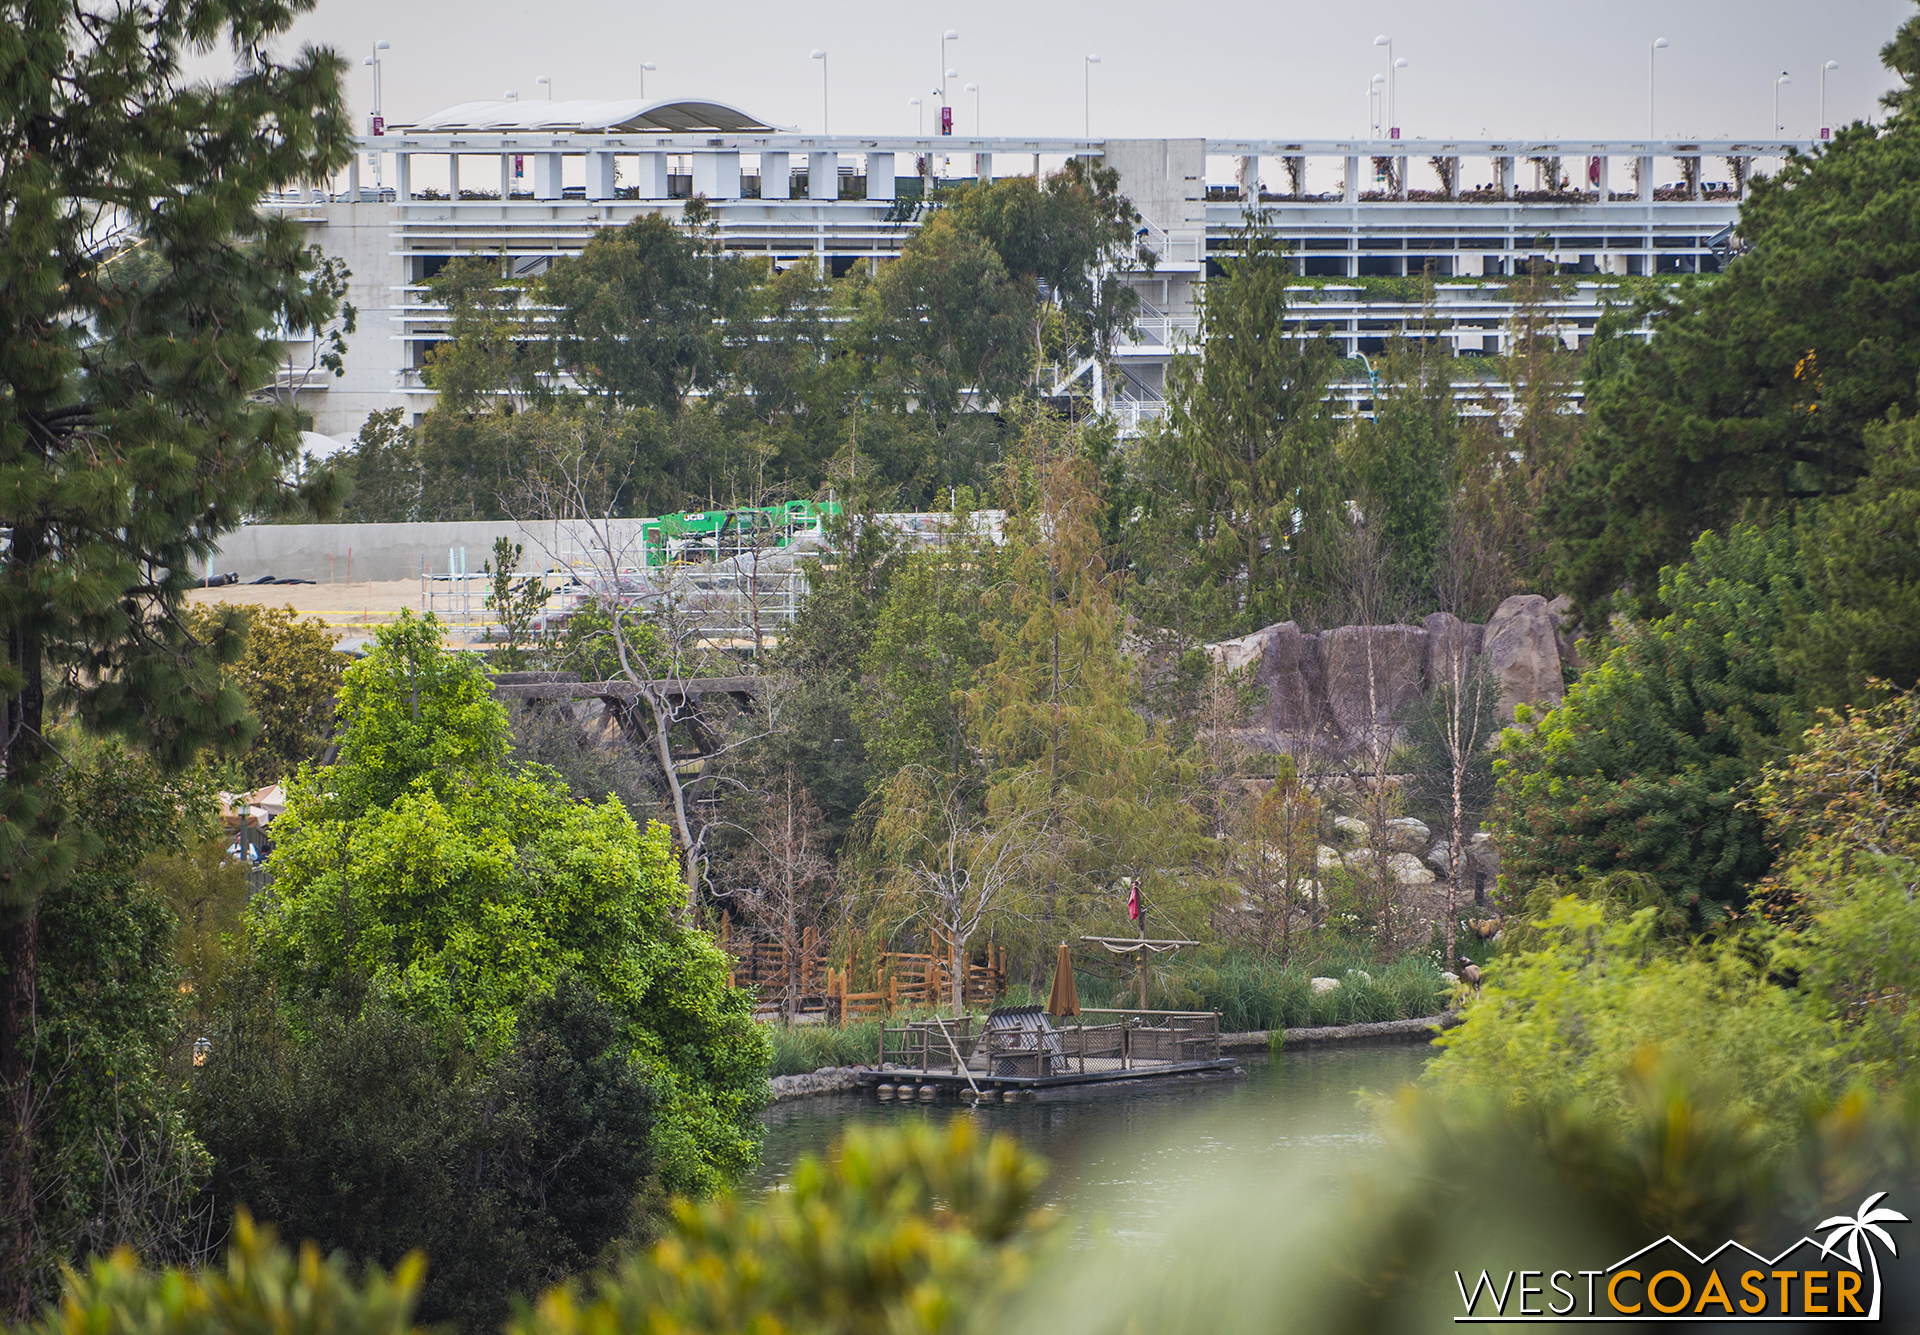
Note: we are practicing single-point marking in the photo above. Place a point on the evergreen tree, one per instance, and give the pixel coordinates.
(1649, 765)
(1402, 461)
(1754, 391)
(1247, 486)
(130, 432)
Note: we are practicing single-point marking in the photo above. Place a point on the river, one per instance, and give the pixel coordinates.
(1129, 1154)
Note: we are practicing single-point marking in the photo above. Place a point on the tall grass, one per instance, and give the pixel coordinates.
(800, 1048)
(1251, 993)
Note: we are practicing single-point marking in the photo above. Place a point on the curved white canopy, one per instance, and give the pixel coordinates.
(627, 116)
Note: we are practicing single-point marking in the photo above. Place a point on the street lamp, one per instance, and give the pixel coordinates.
(1376, 89)
(376, 122)
(1384, 40)
(915, 102)
(510, 95)
(974, 88)
(646, 68)
(821, 56)
(1091, 62)
(1393, 118)
(542, 78)
(1659, 44)
(949, 35)
(1825, 132)
(1778, 83)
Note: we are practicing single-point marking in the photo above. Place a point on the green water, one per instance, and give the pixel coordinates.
(1131, 1154)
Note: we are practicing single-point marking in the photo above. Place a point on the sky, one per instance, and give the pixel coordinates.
(1227, 69)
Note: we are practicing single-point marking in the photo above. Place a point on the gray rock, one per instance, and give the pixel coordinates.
(1353, 828)
(1405, 833)
(1452, 645)
(1372, 671)
(1408, 869)
(1523, 653)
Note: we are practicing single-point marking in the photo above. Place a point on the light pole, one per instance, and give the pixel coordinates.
(974, 88)
(1825, 131)
(916, 104)
(548, 81)
(376, 122)
(1659, 44)
(1376, 87)
(1393, 109)
(821, 56)
(646, 67)
(1088, 67)
(1778, 83)
(949, 35)
(1384, 40)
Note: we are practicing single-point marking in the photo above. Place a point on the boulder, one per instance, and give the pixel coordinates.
(1408, 869)
(1406, 833)
(1440, 858)
(1566, 631)
(1357, 830)
(1325, 857)
(1523, 653)
(1452, 645)
(1320, 985)
(1372, 672)
(1293, 674)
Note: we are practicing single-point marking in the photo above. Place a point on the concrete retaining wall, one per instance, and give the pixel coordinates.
(341, 553)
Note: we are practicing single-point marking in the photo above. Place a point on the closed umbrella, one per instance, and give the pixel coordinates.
(1066, 998)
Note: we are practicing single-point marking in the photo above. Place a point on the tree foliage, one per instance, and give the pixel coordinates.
(133, 432)
(289, 673)
(1649, 764)
(1245, 472)
(374, 1137)
(425, 865)
(1753, 394)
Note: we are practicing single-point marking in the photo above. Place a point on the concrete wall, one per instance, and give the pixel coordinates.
(323, 552)
(362, 235)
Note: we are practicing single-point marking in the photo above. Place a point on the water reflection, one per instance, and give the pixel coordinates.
(1131, 1155)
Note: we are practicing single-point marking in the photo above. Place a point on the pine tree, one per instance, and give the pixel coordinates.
(1247, 470)
(130, 434)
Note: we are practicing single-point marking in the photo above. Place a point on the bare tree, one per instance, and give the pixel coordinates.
(566, 507)
(1461, 692)
(956, 865)
(786, 879)
(1276, 866)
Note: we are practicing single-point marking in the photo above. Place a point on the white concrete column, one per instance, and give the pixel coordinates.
(403, 176)
(1400, 177)
(1646, 177)
(1453, 183)
(823, 176)
(983, 168)
(717, 174)
(546, 175)
(600, 176)
(1036, 166)
(1247, 176)
(353, 179)
(1503, 178)
(776, 176)
(506, 176)
(880, 185)
(453, 177)
(650, 175)
(1605, 184)
(1350, 188)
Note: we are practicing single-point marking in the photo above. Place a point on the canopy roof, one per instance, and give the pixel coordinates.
(627, 116)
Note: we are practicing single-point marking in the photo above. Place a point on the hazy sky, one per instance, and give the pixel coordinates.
(1228, 69)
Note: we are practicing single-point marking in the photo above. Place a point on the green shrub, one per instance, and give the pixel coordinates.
(262, 1288)
(897, 1230)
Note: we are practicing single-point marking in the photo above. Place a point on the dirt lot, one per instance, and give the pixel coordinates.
(351, 608)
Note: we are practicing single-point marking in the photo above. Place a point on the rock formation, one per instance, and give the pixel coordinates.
(1337, 689)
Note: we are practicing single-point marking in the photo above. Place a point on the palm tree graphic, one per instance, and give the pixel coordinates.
(1853, 1229)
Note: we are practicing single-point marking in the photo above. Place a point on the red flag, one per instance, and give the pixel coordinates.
(1133, 901)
